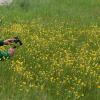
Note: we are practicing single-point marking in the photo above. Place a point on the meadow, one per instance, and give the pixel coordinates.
(60, 56)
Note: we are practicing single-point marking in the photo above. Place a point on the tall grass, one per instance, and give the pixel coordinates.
(60, 58)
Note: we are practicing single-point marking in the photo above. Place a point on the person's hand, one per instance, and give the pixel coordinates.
(8, 41)
(11, 51)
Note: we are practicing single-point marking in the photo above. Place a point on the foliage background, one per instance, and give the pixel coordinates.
(60, 58)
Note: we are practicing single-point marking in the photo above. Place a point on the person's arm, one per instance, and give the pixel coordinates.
(1, 42)
(6, 42)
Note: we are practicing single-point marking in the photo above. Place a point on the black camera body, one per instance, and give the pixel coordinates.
(17, 40)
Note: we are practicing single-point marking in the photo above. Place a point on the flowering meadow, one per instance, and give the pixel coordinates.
(59, 58)
(58, 61)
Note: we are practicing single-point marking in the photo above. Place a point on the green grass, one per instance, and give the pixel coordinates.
(60, 58)
(81, 12)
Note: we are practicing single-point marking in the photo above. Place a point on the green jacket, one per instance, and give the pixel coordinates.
(1, 43)
(3, 54)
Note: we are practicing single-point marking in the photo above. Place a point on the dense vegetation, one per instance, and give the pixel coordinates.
(60, 56)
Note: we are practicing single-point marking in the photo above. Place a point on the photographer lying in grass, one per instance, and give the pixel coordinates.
(10, 52)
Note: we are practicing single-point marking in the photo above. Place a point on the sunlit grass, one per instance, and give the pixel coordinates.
(55, 62)
(60, 56)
